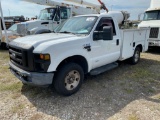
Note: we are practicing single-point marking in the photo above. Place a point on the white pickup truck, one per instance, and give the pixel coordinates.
(83, 44)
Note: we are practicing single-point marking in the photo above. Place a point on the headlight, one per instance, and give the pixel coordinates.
(42, 62)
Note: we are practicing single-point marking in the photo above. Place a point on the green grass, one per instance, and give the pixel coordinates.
(140, 72)
(133, 117)
(129, 90)
(151, 90)
(17, 108)
(11, 87)
(7, 80)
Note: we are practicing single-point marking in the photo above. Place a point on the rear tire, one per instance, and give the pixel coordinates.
(136, 56)
(68, 79)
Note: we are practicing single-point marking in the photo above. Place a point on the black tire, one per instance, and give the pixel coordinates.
(3, 46)
(68, 79)
(136, 56)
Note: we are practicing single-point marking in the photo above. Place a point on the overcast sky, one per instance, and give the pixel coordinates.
(18, 7)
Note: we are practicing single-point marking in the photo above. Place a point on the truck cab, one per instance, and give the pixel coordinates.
(48, 20)
(152, 19)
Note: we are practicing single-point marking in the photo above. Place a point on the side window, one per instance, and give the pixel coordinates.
(158, 15)
(57, 15)
(57, 18)
(106, 22)
(64, 14)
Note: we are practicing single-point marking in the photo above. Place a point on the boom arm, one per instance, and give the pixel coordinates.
(78, 6)
(103, 5)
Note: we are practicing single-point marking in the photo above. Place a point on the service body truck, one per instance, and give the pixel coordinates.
(152, 20)
(83, 44)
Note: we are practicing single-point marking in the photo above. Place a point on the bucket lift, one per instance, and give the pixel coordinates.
(79, 7)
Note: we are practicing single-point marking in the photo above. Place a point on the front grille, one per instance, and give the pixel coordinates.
(22, 58)
(16, 56)
(154, 33)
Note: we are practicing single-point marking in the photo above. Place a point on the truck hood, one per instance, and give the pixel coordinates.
(35, 40)
(34, 23)
(150, 23)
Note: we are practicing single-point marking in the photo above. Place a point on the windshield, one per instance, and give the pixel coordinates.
(77, 25)
(152, 15)
(47, 14)
(13, 28)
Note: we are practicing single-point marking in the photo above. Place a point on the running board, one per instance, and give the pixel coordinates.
(103, 68)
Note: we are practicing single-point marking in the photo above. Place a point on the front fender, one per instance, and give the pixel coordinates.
(56, 60)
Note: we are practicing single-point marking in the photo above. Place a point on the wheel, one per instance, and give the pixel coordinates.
(136, 56)
(68, 79)
(3, 45)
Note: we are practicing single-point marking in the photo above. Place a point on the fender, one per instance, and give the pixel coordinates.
(57, 59)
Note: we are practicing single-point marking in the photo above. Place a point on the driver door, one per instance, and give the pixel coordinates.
(105, 51)
(56, 18)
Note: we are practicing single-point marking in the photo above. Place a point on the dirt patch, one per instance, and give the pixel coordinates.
(124, 93)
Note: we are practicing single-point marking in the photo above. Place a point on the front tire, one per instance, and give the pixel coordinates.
(68, 79)
(136, 56)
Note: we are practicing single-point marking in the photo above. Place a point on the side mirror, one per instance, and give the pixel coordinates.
(107, 33)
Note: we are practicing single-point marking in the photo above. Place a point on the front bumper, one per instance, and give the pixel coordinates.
(154, 43)
(32, 78)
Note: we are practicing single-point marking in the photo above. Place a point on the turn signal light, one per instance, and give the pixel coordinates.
(45, 56)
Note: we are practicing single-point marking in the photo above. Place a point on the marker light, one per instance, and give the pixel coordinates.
(45, 56)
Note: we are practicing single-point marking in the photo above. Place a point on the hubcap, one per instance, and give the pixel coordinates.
(136, 56)
(72, 80)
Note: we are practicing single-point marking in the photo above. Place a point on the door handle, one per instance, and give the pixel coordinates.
(87, 47)
(117, 42)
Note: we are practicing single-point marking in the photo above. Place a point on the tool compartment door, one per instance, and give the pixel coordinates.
(127, 44)
(130, 39)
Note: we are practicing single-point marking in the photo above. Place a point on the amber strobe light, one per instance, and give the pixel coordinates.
(45, 56)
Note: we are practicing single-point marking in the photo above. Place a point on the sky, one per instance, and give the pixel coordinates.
(18, 7)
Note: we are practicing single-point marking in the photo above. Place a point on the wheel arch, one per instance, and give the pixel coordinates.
(140, 46)
(78, 59)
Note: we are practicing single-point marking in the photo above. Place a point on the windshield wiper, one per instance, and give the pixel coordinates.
(65, 32)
